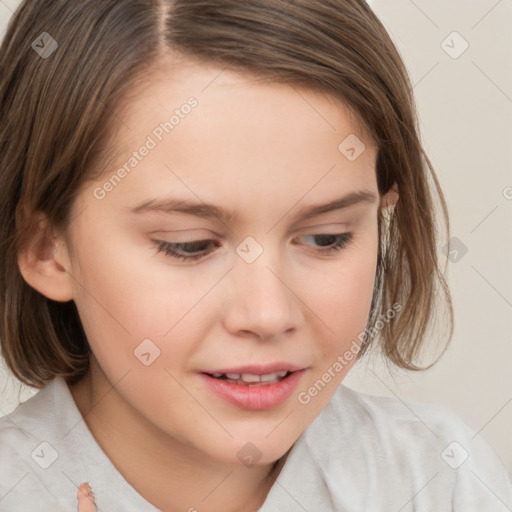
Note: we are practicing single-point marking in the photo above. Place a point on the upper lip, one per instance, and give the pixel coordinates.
(258, 369)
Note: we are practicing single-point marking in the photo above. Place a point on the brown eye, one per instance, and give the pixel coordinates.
(185, 251)
(332, 243)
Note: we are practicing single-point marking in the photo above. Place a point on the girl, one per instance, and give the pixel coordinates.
(210, 210)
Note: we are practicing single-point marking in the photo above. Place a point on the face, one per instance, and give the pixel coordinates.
(170, 293)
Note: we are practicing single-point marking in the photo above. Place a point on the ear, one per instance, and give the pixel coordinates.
(390, 198)
(44, 262)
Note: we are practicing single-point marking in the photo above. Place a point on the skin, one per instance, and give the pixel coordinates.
(266, 151)
(85, 499)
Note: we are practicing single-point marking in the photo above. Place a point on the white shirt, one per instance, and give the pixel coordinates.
(361, 454)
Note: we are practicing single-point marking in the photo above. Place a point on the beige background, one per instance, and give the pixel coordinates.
(465, 106)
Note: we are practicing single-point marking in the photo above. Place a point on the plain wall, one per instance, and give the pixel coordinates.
(465, 108)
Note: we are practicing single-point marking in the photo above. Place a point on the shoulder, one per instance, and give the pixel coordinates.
(27, 449)
(389, 425)
(47, 450)
(392, 416)
(19, 429)
(388, 440)
(30, 420)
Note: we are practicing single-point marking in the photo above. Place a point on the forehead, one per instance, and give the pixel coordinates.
(244, 100)
(242, 138)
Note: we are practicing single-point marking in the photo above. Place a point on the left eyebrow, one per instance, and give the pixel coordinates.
(209, 211)
(361, 196)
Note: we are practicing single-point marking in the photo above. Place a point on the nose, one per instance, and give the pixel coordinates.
(264, 302)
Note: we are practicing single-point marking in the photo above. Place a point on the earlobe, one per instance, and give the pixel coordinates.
(44, 265)
(390, 198)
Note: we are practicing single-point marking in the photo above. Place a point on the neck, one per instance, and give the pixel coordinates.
(171, 475)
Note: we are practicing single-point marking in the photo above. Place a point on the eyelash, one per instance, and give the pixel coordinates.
(169, 249)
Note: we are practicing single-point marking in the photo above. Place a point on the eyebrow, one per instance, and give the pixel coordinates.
(209, 211)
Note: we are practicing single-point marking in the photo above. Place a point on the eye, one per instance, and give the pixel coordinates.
(191, 251)
(332, 243)
(187, 249)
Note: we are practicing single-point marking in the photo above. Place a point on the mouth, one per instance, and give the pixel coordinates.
(254, 388)
(251, 379)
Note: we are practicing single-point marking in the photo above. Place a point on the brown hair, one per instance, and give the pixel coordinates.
(57, 113)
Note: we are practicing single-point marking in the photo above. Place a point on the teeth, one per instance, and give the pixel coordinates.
(251, 378)
(273, 376)
(248, 377)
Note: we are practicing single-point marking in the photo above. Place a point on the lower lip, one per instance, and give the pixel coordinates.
(254, 398)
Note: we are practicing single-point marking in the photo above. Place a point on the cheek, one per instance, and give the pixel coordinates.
(129, 284)
(342, 295)
(342, 303)
(124, 298)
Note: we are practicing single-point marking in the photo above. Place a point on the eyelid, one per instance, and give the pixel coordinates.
(167, 231)
(335, 228)
(323, 229)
